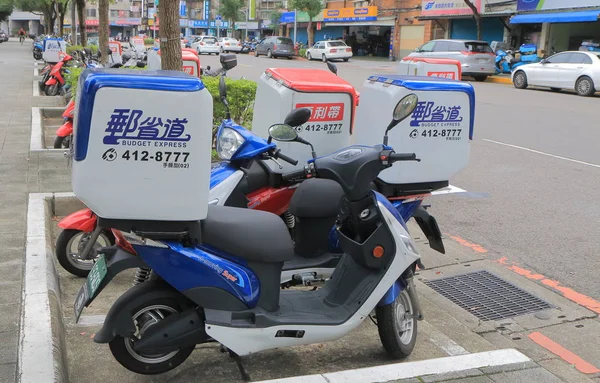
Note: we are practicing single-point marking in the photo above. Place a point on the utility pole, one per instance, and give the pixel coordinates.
(73, 23)
(247, 17)
(295, 26)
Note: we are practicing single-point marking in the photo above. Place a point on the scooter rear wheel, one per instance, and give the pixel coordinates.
(62, 142)
(51, 90)
(145, 316)
(70, 244)
(397, 325)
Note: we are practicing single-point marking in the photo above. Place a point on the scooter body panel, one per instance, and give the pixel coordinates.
(274, 200)
(253, 145)
(187, 268)
(84, 220)
(66, 129)
(248, 340)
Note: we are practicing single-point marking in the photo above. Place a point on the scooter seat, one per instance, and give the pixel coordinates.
(253, 235)
(327, 261)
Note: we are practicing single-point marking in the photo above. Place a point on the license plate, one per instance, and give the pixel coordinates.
(89, 288)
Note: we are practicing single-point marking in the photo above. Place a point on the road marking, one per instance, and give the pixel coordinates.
(543, 153)
(572, 295)
(563, 353)
(465, 243)
(408, 370)
(88, 321)
(441, 340)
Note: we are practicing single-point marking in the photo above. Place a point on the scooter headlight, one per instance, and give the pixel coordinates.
(228, 142)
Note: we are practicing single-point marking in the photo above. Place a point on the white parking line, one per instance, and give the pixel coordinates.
(407, 370)
(543, 153)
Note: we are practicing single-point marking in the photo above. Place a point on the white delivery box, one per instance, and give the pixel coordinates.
(116, 50)
(142, 145)
(431, 67)
(439, 130)
(191, 61)
(331, 99)
(54, 50)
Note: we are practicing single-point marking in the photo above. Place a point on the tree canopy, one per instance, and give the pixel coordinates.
(311, 7)
(6, 8)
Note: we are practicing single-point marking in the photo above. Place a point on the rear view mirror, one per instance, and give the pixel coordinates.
(405, 107)
(228, 61)
(332, 67)
(283, 132)
(297, 117)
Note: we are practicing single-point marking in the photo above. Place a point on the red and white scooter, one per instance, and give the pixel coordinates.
(64, 134)
(56, 80)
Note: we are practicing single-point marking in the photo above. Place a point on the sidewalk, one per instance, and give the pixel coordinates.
(557, 344)
(21, 173)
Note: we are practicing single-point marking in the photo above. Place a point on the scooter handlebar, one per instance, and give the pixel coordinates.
(287, 159)
(294, 175)
(395, 157)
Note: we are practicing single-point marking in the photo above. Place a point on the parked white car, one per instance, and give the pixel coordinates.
(229, 44)
(206, 44)
(329, 50)
(578, 70)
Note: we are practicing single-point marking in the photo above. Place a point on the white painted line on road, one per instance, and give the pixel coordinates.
(543, 153)
(442, 340)
(89, 321)
(408, 370)
(36, 348)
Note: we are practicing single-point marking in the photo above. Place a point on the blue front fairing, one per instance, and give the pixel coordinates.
(253, 145)
(185, 268)
(220, 171)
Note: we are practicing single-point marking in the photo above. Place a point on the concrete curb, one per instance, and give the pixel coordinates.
(42, 346)
(429, 367)
(45, 101)
(499, 80)
(37, 140)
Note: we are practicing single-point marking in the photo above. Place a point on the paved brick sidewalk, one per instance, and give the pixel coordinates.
(19, 175)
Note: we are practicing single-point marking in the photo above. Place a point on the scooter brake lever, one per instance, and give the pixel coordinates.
(277, 162)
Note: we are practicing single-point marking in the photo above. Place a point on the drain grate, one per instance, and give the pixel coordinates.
(486, 296)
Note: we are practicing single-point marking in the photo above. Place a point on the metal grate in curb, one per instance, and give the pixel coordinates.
(487, 296)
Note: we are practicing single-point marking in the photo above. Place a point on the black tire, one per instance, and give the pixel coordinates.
(217, 53)
(290, 57)
(58, 142)
(585, 86)
(555, 89)
(256, 54)
(66, 260)
(397, 345)
(480, 78)
(324, 58)
(51, 90)
(121, 350)
(308, 56)
(269, 54)
(520, 80)
(346, 60)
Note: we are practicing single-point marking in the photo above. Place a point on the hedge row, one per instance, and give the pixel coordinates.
(240, 93)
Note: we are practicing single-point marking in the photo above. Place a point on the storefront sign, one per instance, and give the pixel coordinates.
(182, 8)
(224, 24)
(542, 5)
(206, 9)
(126, 21)
(252, 12)
(183, 23)
(246, 25)
(198, 23)
(287, 17)
(350, 14)
(447, 7)
(92, 22)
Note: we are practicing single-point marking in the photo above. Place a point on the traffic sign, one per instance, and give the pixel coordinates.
(218, 17)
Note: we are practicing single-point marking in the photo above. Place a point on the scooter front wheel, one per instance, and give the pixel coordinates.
(71, 243)
(397, 325)
(62, 142)
(145, 316)
(52, 90)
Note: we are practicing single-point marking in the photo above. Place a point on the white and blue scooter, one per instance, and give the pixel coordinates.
(220, 281)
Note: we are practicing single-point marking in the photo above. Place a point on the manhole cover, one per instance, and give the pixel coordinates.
(486, 296)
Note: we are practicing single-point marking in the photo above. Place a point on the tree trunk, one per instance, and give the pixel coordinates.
(170, 44)
(104, 30)
(309, 30)
(81, 14)
(476, 16)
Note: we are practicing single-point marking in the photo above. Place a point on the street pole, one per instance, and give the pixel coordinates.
(73, 23)
(154, 24)
(295, 26)
(247, 17)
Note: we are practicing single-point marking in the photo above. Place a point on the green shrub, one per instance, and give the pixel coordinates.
(240, 94)
(148, 41)
(302, 52)
(72, 48)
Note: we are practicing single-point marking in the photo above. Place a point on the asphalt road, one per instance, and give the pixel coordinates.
(538, 210)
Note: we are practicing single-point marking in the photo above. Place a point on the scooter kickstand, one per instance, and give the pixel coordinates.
(238, 361)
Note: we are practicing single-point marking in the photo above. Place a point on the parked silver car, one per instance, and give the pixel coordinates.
(476, 57)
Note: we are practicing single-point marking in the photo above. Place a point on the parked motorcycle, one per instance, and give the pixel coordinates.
(226, 288)
(37, 50)
(56, 79)
(245, 180)
(64, 134)
(506, 60)
(248, 46)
